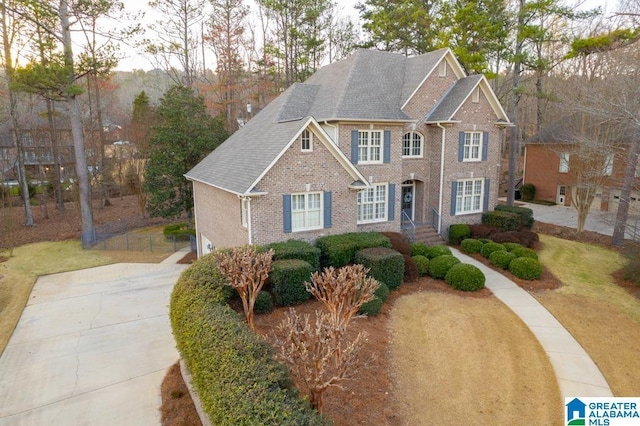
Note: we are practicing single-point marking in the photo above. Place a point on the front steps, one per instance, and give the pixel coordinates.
(424, 234)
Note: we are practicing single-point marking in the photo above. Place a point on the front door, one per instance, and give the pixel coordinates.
(562, 194)
(408, 201)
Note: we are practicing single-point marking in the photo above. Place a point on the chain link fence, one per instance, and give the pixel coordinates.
(123, 236)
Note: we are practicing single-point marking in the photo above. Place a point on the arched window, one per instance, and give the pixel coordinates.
(412, 143)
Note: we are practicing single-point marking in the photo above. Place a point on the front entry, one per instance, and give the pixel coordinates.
(408, 201)
(562, 194)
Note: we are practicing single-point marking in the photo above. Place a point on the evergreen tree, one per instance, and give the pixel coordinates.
(185, 133)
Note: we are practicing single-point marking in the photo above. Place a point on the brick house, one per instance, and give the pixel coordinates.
(376, 142)
(548, 164)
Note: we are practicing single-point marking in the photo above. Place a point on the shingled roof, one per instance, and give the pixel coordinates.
(369, 86)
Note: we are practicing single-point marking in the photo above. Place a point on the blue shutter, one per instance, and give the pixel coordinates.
(386, 158)
(487, 193)
(454, 192)
(286, 213)
(354, 146)
(327, 209)
(485, 146)
(461, 146)
(392, 202)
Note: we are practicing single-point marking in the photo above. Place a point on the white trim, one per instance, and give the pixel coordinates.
(472, 159)
(473, 195)
(441, 201)
(306, 211)
(369, 147)
(374, 187)
(310, 140)
(411, 155)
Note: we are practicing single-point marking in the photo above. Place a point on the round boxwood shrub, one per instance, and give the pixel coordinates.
(435, 251)
(439, 266)
(485, 240)
(382, 292)
(372, 307)
(501, 258)
(471, 245)
(423, 264)
(511, 246)
(489, 248)
(458, 232)
(525, 252)
(525, 268)
(419, 249)
(264, 303)
(465, 277)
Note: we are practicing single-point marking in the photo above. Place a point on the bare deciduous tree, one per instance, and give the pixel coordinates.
(247, 271)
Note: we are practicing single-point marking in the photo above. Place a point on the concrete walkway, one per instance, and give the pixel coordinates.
(91, 348)
(576, 372)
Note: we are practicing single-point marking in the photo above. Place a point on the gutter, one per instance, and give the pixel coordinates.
(444, 134)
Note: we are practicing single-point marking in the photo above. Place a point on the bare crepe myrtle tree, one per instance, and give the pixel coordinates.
(311, 353)
(247, 270)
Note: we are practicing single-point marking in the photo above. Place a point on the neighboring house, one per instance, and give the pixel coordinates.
(548, 165)
(370, 143)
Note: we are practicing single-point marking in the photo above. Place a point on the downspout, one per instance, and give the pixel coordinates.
(249, 231)
(444, 134)
(195, 221)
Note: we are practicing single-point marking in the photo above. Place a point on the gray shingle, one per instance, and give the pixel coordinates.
(453, 99)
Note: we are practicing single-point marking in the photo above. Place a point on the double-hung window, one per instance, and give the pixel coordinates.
(306, 141)
(306, 211)
(564, 162)
(472, 146)
(469, 196)
(370, 147)
(244, 212)
(372, 204)
(412, 143)
(608, 165)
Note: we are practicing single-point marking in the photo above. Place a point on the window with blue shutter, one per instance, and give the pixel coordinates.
(487, 194)
(354, 147)
(392, 202)
(485, 146)
(386, 155)
(461, 146)
(286, 213)
(327, 209)
(454, 194)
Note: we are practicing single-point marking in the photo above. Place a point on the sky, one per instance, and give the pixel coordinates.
(133, 60)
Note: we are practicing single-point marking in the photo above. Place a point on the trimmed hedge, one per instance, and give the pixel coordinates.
(288, 277)
(382, 291)
(385, 265)
(264, 303)
(296, 249)
(525, 215)
(423, 264)
(525, 268)
(204, 273)
(465, 277)
(419, 249)
(525, 252)
(458, 232)
(233, 370)
(398, 242)
(489, 248)
(506, 221)
(501, 258)
(436, 251)
(340, 250)
(528, 192)
(511, 246)
(471, 245)
(524, 237)
(179, 231)
(439, 266)
(372, 307)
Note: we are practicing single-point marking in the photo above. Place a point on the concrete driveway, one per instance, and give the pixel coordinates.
(91, 348)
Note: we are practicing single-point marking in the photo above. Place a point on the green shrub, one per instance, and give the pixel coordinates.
(436, 251)
(179, 232)
(489, 248)
(485, 240)
(471, 245)
(385, 265)
(204, 273)
(528, 192)
(264, 303)
(501, 258)
(511, 246)
(439, 266)
(458, 232)
(525, 252)
(525, 215)
(372, 307)
(506, 221)
(287, 277)
(631, 270)
(296, 249)
(525, 268)
(523, 237)
(382, 291)
(340, 250)
(419, 249)
(465, 277)
(234, 370)
(423, 264)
